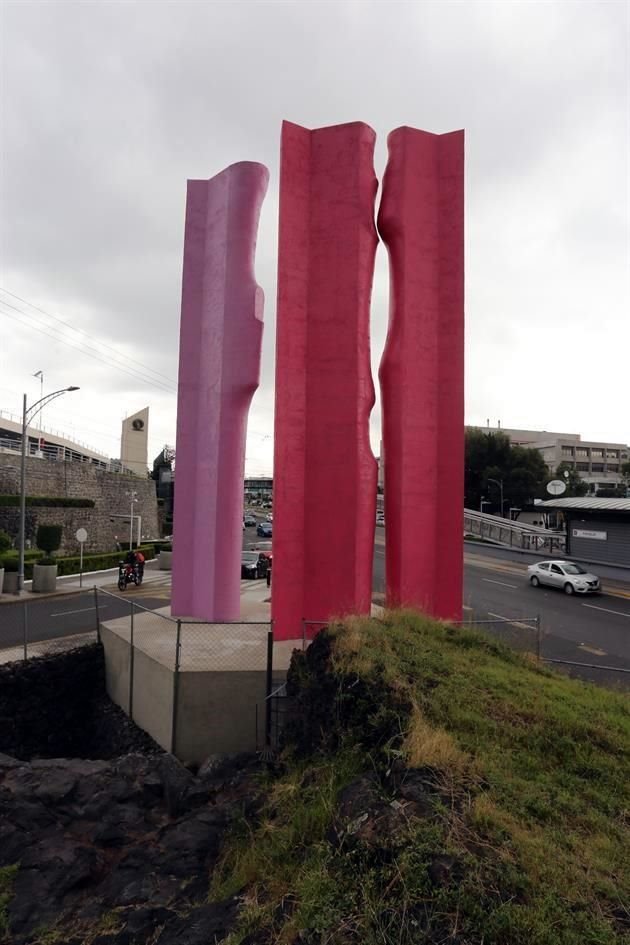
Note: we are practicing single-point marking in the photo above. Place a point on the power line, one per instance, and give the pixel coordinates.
(84, 349)
(81, 331)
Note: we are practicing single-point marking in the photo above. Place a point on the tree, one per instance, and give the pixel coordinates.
(575, 484)
(489, 456)
(49, 540)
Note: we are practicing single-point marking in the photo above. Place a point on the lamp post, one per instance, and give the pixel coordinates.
(499, 483)
(132, 496)
(26, 415)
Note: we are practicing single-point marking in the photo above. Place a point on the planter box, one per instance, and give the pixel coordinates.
(10, 582)
(166, 560)
(44, 578)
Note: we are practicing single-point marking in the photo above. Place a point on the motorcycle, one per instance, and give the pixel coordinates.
(127, 574)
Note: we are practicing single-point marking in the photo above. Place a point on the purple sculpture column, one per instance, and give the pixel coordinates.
(219, 370)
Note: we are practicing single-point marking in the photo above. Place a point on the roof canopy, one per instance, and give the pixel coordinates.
(587, 504)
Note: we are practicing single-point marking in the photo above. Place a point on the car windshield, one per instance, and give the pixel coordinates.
(250, 557)
(571, 568)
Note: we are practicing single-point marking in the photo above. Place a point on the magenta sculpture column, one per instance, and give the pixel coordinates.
(219, 370)
(421, 219)
(324, 471)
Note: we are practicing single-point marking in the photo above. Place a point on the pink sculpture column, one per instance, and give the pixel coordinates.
(324, 470)
(421, 220)
(219, 370)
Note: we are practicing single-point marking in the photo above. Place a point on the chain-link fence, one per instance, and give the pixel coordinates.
(28, 629)
(167, 672)
(528, 635)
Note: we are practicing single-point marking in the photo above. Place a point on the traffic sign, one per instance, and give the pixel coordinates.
(80, 535)
(556, 487)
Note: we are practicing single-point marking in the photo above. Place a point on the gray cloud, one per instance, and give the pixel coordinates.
(109, 107)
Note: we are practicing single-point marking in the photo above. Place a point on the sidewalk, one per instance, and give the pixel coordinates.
(69, 583)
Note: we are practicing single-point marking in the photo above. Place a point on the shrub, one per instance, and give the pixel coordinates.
(47, 502)
(5, 541)
(49, 539)
(10, 563)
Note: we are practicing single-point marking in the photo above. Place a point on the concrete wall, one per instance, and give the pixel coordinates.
(108, 490)
(117, 666)
(152, 706)
(217, 713)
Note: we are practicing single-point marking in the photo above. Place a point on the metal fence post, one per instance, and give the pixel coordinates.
(25, 621)
(176, 688)
(538, 639)
(131, 662)
(98, 619)
(268, 688)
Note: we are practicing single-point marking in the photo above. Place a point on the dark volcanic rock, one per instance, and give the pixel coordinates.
(134, 838)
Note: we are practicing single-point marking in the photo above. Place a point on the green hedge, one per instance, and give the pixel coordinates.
(47, 502)
(70, 564)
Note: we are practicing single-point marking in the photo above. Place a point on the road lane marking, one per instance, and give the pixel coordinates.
(606, 610)
(502, 583)
(592, 649)
(514, 623)
(85, 610)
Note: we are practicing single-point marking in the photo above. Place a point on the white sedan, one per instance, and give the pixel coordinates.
(565, 575)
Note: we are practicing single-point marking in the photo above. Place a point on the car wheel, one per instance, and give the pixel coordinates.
(534, 581)
(568, 588)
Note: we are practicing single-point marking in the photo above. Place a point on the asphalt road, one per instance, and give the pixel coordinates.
(593, 629)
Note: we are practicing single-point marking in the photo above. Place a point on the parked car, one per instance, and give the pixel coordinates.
(568, 576)
(380, 518)
(249, 565)
(249, 521)
(264, 529)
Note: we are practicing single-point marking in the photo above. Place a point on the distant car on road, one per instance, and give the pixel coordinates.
(264, 529)
(568, 576)
(380, 518)
(250, 565)
(249, 521)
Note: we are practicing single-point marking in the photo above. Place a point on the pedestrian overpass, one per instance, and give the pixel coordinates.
(513, 534)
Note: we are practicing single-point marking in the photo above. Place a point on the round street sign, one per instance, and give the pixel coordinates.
(556, 487)
(80, 535)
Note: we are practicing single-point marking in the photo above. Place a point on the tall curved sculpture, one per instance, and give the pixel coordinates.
(219, 370)
(421, 219)
(324, 470)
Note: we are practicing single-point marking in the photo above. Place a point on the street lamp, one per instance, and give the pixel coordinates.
(26, 415)
(499, 483)
(133, 497)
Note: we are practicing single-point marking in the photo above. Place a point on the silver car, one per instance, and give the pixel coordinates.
(565, 575)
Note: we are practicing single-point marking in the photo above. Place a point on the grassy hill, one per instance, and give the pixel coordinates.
(439, 789)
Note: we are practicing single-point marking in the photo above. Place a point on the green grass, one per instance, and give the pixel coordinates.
(533, 772)
(7, 876)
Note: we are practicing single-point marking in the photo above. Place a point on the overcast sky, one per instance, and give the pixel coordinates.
(107, 108)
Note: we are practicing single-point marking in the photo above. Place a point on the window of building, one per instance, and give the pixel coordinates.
(567, 451)
(597, 454)
(613, 467)
(581, 451)
(597, 467)
(582, 467)
(613, 454)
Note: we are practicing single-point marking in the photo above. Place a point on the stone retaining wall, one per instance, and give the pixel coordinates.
(109, 491)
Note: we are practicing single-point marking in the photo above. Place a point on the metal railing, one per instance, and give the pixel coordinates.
(514, 534)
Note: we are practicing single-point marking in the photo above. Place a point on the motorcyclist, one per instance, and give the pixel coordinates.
(140, 559)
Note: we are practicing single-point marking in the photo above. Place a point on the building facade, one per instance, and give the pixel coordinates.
(598, 464)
